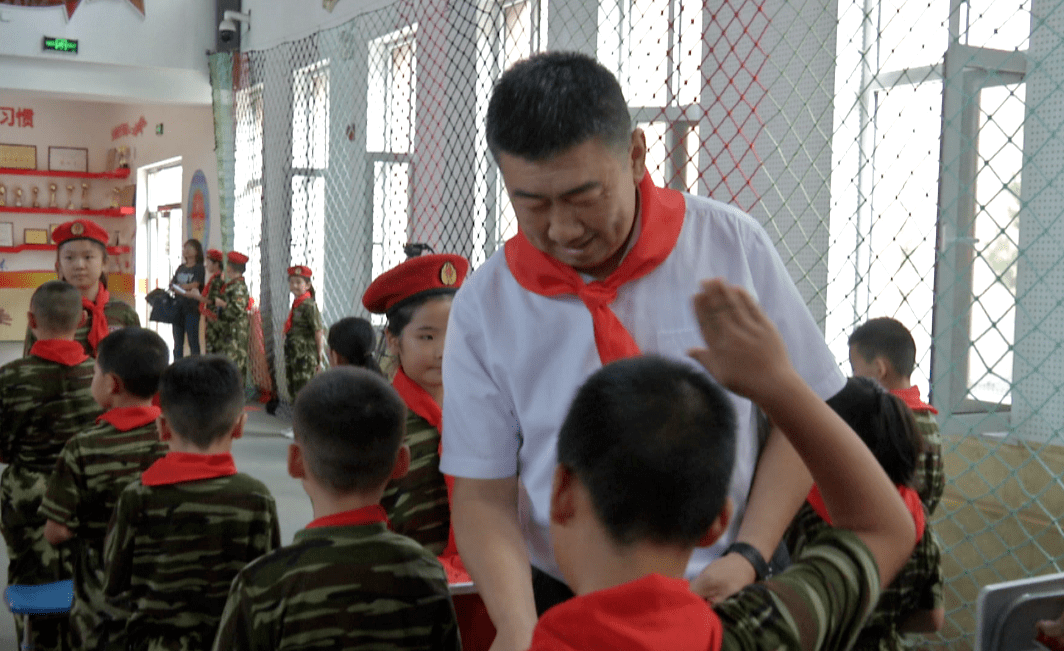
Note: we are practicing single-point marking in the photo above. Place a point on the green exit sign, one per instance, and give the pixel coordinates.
(68, 45)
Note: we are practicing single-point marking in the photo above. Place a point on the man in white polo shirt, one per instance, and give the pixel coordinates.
(604, 267)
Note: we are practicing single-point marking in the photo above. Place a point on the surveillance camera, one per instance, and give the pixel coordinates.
(226, 30)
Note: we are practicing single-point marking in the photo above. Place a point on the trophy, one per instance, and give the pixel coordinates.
(52, 187)
(84, 196)
(114, 196)
(122, 152)
(3, 195)
(18, 197)
(36, 191)
(70, 197)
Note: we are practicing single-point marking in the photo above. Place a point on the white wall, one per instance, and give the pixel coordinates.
(273, 22)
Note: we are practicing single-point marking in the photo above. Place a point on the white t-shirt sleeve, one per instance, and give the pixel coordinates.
(481, 435)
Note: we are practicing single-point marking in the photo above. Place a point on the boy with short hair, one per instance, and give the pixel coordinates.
(644, 459)
(99, 462)
(346, 582)
(232, 326)
(45, 399)
(182, 532)
(883, 349)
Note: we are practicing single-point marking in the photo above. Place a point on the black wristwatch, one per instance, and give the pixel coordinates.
(750, 553)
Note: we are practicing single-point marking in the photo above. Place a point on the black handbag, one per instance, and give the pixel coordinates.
(165, 308)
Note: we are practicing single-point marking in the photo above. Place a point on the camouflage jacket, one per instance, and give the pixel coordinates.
(119, 315)
(819, 602)
(417, 504)
(301, 346)
(918, 586)
(341, 586)
(209, 311)
(232, 325)
(930, 478)
(42, 405)
(93, 469)
(172, 552)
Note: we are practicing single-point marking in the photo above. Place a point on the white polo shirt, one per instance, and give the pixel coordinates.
(513, 359)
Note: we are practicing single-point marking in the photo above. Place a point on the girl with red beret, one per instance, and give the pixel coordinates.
(304, 332)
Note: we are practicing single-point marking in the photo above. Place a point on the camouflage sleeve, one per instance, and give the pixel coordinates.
(315, 317)
(236, 302)
(62, 496)
(274, 523)
(118, 550)
(6, 427)
(417, 504)
(235, 630)
(930, 477)
(120, 314)
(820, 601)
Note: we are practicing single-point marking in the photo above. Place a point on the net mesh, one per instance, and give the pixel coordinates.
(904, 155)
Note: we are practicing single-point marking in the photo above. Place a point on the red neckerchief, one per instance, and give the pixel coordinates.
(662, 214)
(177, 467)
(99, 328)
(204, 309)
(908, 495)
(124, 419)
(911, 397)
(652, 612)
(423, 404)
(226, 284)
(296, 303)
(60, 351)
(366, 515)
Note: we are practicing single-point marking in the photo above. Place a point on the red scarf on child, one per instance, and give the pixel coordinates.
(911, 397)
(371, 514)
(662, 213)
(296, 303)
(60, 351)
(205, 309)
(99, 329)
(177, 467)
(124, 419)
(908, 495)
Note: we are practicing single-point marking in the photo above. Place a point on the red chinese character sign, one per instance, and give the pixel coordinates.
(198, 213)
(70, 5)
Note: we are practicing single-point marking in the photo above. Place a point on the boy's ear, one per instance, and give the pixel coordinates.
(562, 495)
(163, 427)
(402, 462)
(882, 367)
(114, 384)
(296, 466)
(720, 525)
(32, 319)
(238, 427)
(334, 359)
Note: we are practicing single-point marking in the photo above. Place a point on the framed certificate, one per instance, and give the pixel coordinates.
(19, 157)
(7, 234)
(35, 236)
(68, 159)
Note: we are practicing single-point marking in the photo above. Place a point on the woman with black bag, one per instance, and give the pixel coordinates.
(189, 276)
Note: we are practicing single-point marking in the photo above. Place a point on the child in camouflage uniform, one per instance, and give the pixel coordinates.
(45, 399)
(346, 582)
(81, 260)
(98, 463)
(645, 455)
(182, 532)
(913, 601)
(209, 341)
(883, 349)
(303, 332)
(232, 304)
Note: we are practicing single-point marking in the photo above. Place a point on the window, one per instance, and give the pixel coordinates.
(310, 156)
(247, 181)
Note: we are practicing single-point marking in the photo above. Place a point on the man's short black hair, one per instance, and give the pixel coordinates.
(552, 102)
(137, 356)
(57, 306)
(349, 423)
(202, 398)
(887, 337)
(653, 440)
(884, 423)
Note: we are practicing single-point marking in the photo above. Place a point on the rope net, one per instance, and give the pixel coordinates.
(904, 154)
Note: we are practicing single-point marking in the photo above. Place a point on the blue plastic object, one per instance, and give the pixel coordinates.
(44, 599)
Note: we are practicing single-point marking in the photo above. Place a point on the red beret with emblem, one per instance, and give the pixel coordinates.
(237, 258)
(437, 273)
(79, 229)
(300, 270)
(215, 254)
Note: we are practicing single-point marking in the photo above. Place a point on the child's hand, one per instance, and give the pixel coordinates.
(219, 302)
(1050, 633)
(744, 351)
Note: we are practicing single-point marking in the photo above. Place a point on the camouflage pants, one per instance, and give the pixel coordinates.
(300, 363)
(212, 336)
(32, 560)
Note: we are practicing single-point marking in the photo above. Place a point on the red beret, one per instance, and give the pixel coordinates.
(300, 270)
(215, 254)
(238, 258)
(79, 229)
(421, 274)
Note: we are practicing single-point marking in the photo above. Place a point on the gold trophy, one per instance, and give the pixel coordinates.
(114, 196)
(3, 195)
(52, 187)
(84, 196)
(70, 197)
(36, 191)
(18, 197)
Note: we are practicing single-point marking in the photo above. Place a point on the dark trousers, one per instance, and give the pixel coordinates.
(187, 323)
(548, 591)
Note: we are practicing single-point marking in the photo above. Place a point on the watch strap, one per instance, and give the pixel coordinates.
(754, 557)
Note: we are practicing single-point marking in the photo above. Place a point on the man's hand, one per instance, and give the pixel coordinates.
(723, 577)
